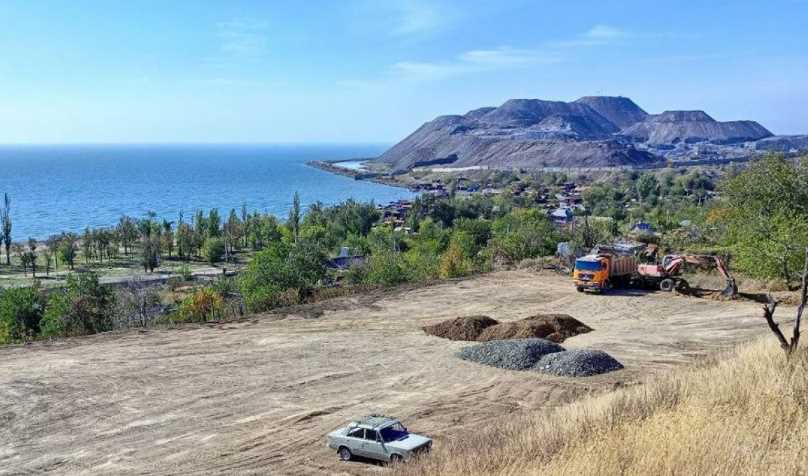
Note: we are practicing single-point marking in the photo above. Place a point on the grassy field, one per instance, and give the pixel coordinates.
(118, 269)
(744, 412)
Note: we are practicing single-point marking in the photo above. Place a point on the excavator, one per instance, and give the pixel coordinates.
(667, 276)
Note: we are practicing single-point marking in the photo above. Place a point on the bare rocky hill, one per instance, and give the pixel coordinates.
(592, 132)
(672, 127)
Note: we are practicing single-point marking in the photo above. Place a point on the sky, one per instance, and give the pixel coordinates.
(349, 71)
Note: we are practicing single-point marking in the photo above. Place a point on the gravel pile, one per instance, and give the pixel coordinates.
(461, 328)
(520, 354)
(578, 363)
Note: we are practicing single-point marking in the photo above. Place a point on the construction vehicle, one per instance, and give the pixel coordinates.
(603, 270)
(667, 276)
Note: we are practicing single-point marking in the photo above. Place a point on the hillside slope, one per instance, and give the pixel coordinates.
(672, 127)
(745, 414)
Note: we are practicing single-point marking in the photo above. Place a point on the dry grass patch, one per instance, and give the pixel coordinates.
(745, 412)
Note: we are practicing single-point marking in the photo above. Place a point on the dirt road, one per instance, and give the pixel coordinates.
(258, 397)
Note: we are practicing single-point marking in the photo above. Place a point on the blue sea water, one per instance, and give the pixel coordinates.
(69, 187)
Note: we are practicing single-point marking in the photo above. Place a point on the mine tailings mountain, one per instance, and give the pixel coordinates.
(591, 132)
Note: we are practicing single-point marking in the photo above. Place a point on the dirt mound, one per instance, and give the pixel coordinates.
(519, 354)
(578, 363)
(461, 328)
(553, 327)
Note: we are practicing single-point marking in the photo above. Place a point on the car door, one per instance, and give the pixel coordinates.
(373, 447)
(355, 440)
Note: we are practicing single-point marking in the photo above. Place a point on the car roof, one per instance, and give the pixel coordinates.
(374, 422)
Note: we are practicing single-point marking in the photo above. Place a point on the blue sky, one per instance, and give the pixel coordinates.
(372, 71)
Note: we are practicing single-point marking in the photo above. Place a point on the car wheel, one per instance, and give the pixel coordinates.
(345, 454)
(580, 289)
(666, 285)
(396, 459)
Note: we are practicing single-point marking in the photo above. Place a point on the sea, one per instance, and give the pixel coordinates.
(55, 188)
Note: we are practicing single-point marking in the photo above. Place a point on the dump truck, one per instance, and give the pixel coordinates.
(603, 270)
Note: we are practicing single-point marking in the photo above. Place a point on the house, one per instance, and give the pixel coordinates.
(345, 260)
(562, 216)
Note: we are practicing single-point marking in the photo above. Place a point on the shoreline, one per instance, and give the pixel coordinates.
(376, 177)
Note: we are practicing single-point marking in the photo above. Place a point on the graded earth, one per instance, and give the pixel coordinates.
(259, 396)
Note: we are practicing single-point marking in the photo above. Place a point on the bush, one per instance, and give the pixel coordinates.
(281, 267)
(83, 307)
(213, 250)
(386, 268)
(454, 264)
(185, 272)
(523, 234)
(204, 305)
(20, 314)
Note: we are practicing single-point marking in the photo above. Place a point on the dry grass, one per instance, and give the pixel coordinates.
(745, 412)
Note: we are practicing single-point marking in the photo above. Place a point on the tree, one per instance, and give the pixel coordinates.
(281, 267)
(764, 210)
(213, 250)
(5, 224)
(68, 248)
(20, 313)
(150, 258)
(127, 232)
(789, 346)
(167, 237)
(47, 258)
(294, 217)
(83, 307)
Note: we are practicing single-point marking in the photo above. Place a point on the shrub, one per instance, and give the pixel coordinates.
(185, 272)
(454, 264)
(213, 250)
(20, 314)
(83, 307)
(204, 305)
(280, 267)
(386, 268)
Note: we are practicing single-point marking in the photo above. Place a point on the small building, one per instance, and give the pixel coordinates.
(562, 216)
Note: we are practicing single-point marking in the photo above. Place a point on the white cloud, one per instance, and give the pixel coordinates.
(500, 58)
(417, 17)
(605, 33)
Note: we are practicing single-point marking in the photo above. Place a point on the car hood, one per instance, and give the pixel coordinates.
(409, 443)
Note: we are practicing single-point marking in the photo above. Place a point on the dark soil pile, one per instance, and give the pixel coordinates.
(519, 354)
(577, 363)
(553, 327)
(461, 328)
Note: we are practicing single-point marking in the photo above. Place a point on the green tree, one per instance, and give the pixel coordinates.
(280, 267)
(68, 248)
(294, 217)
(83, 307)
(213, 250)
(5, 224)
(765, 212)
(20, 314)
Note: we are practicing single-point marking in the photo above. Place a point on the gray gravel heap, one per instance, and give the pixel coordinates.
(578, 363)
(517, 354)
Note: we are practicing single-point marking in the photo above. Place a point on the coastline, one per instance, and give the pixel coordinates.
(332, 166)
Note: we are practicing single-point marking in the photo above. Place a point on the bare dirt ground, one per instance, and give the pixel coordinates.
(258, 396)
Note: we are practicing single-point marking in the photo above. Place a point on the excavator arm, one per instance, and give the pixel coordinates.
(673, 266)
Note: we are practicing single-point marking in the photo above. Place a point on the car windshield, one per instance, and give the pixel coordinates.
(394, 432)
(588, 265)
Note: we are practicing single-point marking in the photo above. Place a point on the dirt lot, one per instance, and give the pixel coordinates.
(259, 396)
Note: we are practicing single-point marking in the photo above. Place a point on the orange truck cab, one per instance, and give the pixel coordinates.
(603, 271)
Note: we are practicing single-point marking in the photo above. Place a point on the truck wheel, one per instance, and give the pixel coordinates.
(666, 285)
(395, 459)
(682, 286)
(344, 454)
(580, 289)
